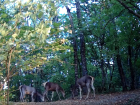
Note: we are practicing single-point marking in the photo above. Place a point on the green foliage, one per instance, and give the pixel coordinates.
(43, 49)
(138, 63)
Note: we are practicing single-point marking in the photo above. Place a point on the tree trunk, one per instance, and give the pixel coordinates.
(82, 40)
(74, 45)
(131, 68)
(103, 74)
(121, 72)
(111, 72)
(1, 87)
(8, 74)
(102, 36)
(111, 76)
(118, 59)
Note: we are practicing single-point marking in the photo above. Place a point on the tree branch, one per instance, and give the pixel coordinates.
(113, 18)
(130, 10)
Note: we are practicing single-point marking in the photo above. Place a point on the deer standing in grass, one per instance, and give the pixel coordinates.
(50, 86)
(28, 90)
(82, 82)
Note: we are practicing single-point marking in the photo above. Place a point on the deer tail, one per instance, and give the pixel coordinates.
(92, 80)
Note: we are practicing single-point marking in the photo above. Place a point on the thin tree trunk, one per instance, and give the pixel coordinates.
(136, 55)
(131, 68)
(8, 75)
(118, 59)
(103, 74)
(80, 69)
(1, 87)
(102, 36)
(121, 72)
(111, 74)
(82, 40)
(74, 45)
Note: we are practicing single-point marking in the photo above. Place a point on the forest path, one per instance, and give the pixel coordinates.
(121, 98)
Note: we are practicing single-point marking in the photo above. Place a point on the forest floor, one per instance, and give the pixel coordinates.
(121, 98)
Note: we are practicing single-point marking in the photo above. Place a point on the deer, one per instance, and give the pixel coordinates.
(54, 87)
(85, 81)
(28, 90)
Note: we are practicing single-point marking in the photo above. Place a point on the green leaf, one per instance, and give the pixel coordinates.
(56, 25)
(40, 14)
(38, 54)
(4, 15)
(2, 57)
(39, 6)
(34, 56)
(138, 63)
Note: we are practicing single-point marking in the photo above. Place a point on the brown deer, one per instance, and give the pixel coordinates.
(82, 82)
(28, 90)
(50, 86)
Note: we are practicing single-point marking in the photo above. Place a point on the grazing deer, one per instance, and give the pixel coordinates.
(49, 86)
(82, 82)
(28, 90)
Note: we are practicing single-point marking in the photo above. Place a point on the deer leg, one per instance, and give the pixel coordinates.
(93, 88)
(32, 96)
(80, 92)
(41, 96)
(23, 96)
(52, 95)
(88, 88)
(58, 93)
(46, 93)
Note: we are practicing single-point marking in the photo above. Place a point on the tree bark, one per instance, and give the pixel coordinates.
(111, 69)
(103, 73)
(1, 87)
(82, 40)
(121, 72)
(118, 59)
(8, 74)
(111, 76)
(74, 45)
(131, 68)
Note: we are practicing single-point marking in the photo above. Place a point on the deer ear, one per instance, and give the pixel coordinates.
(44, 84)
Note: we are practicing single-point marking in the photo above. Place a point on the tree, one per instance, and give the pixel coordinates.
(25, 45)
(82, 40)
(134, 5)
(74, 44)
(1, 86)
(38, 44)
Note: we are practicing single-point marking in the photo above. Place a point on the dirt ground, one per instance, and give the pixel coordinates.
(121, 98)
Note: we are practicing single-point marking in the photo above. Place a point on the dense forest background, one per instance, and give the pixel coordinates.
(39, 43)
